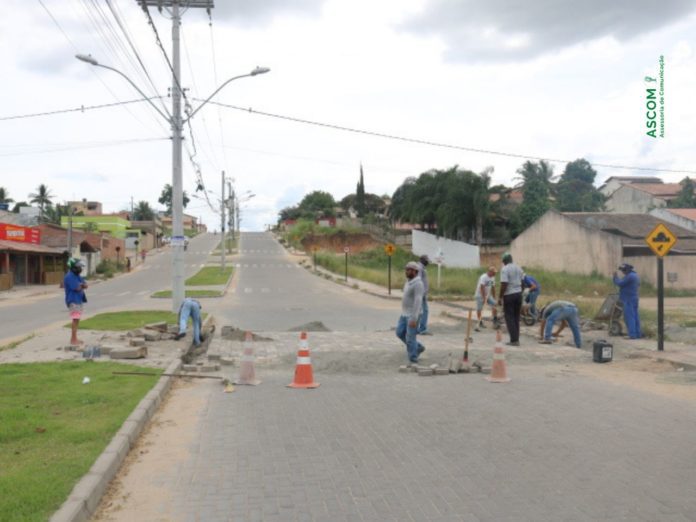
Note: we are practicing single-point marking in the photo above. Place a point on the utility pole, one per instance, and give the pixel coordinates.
(178, 238)
(231, 209)
(70, 215)
(132, 208)
(222, 221)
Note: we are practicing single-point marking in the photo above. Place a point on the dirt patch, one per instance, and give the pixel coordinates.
(230, 333)
(336, 242)
(140, 490)
(314, 326)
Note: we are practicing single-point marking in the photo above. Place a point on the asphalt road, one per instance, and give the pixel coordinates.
(273, 293)
(126, 291)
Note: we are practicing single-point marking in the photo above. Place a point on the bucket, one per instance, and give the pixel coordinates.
(602, 351)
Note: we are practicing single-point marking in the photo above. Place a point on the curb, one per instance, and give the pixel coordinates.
(87, 493)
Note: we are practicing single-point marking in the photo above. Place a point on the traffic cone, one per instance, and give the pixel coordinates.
(304, 377)
(247, 373)
(498, 371)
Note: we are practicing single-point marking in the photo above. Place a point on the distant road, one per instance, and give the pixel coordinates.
(129, 290)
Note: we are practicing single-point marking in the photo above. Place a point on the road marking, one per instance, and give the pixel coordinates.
(248, 290)
(122, 294)
(143, 292)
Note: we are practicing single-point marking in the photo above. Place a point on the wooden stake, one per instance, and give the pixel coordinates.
(468, 335)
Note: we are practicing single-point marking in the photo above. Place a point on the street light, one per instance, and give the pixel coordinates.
(176, 123)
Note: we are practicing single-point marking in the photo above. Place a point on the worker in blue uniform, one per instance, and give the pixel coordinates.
(629, 287)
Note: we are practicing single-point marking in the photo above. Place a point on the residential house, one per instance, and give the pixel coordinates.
(23, 260)
(683, 217)
(614, 182)
(598, 242)
(641, 198)
(86, 208)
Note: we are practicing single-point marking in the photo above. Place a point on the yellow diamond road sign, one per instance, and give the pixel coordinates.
(389, 249)
(661, 240)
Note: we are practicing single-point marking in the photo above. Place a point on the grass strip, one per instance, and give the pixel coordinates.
(190, 293)
(210, 275)
(15, 344)
(54, 427)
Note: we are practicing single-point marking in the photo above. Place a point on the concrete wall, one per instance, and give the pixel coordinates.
(557, 243)
(456, 254)
(666, 215)
(683, 266)
(628, 200)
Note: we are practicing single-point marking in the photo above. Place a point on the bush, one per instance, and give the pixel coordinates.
(107, 268)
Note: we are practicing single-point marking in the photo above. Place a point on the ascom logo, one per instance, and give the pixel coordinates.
(651, 105)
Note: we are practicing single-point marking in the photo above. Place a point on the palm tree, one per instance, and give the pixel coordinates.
(41, 197)
(5, 196)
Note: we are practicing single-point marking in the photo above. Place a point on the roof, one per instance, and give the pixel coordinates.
(632, 227)
(660, 190)
(16, 246)
(633, 179)
(688, 213)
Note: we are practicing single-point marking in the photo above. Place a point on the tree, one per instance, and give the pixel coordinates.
(5, 196)
(166, 199)
(481, 202)
(360, 195)
(41, 197)
(536, 189)
(289, 213)
(317, 204)
(143, 212)
(54, 214)
(575, 190)
(686, 197)
(90, 226)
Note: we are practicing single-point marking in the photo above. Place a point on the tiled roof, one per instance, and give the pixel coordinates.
(660, 190)
(688, 213)
(17, 246)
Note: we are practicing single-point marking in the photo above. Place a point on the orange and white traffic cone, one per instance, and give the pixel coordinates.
(304, 377)
(498, 371)
(247, 373)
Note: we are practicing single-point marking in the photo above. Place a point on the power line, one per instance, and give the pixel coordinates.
(82, 108)
(80, 146)
(437, 144)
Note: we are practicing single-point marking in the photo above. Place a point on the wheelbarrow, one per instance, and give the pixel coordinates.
(611, 311)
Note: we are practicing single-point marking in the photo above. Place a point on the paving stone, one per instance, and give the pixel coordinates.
(137, 341)
(129, 353)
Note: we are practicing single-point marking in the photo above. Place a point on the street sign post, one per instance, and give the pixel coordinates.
(346, 249)
(661, 240)
(389, 250)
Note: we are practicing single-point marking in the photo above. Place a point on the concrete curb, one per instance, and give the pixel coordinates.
(87, 493)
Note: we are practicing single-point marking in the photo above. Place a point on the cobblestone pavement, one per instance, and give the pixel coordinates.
(372, 444)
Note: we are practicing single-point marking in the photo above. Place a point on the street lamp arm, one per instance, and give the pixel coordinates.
(258, 70)
(92, 61)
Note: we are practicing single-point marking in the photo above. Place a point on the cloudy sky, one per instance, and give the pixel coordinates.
(541, 78)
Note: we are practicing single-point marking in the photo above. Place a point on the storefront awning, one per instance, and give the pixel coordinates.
(27, 248)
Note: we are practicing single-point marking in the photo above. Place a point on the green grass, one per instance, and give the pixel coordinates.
(190, 293)
(53, 428)
(210, 275)
(231, 244)
(116, 321)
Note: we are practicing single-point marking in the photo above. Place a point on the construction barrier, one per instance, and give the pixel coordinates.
(247, 371)
(499, 369)
(304, 376)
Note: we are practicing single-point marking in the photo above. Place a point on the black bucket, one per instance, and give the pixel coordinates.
(602, 351)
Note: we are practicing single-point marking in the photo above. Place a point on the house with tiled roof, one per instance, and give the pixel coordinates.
(641, 198)
(682, 217)
(598, 242)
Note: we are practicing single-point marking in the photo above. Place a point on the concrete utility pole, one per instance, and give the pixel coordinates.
(222, 220)
(176, 122)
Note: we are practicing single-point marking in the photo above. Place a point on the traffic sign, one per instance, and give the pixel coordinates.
(346, 249)
(661, 240)
(389, 249)
(315, 248)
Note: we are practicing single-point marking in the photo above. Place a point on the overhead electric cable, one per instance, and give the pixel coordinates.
(439, 144)
(80, 146)
(82, 108)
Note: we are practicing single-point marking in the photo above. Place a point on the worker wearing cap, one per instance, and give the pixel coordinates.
(411, 302)
(423, 262)
(629, 288)
(510, 297)
(75, 297)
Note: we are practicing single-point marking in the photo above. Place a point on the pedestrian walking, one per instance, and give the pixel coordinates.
(511, 297)
(411, 302)
(563, 311)
(75, 297)
(485, 295)
(190, 308)
(532, 288)
(143, 255)
(629, 288)
(423, 262)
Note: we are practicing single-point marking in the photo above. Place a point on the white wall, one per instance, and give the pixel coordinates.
(665, 215)
(456, 254)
